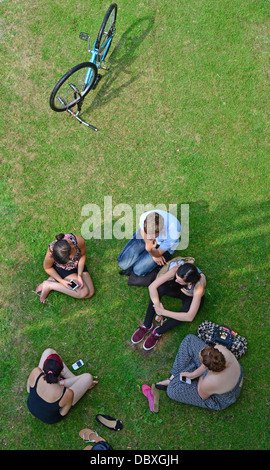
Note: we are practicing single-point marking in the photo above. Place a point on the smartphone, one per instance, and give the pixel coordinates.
(185, 379)
(77, 364)
(73, 285)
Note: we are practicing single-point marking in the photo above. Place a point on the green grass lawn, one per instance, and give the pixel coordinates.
(183, 118)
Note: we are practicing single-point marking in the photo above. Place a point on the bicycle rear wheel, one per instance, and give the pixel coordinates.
(106, 32)
(73, 86)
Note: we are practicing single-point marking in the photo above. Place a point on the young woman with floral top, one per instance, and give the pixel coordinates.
(65, 262)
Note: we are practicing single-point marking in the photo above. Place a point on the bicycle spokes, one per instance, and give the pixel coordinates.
(71, 90)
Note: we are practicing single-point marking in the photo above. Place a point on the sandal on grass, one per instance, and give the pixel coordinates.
(86, 433)
(155, 393)
(109, 422)
(149, 395)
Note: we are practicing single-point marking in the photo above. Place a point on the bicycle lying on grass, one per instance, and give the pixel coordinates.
(73, 87)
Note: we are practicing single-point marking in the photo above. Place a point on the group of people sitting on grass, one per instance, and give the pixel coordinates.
(214, 373)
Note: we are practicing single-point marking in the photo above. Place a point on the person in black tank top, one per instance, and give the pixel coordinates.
(41, 409)
(54, 389)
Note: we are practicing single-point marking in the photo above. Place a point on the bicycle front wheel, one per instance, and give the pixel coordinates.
(106, 32)
(73, 86)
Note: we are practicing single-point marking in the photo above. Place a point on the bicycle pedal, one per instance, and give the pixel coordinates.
(103, 67)
(84, 36)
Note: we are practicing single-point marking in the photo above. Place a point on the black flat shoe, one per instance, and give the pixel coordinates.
(109, 422)
(161, 387)
(124, 272)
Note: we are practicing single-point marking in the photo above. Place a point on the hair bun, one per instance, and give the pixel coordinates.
(59, 236)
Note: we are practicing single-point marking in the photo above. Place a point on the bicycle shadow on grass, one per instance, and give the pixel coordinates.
(122, 57)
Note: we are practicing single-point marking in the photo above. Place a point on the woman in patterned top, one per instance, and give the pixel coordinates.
(65, 262)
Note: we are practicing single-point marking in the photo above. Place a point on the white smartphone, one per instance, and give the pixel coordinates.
(73, 284)
(77, 364)
(185, 379)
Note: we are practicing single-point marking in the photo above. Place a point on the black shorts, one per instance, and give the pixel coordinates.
(66, 272)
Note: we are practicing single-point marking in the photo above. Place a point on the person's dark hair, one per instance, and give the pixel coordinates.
(61, 249)
(213, 359)
(52, 368)
(189, 273)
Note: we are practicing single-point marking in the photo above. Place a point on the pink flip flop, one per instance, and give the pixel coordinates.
(149, 395)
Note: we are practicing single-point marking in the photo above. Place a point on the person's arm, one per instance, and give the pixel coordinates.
(184, 316)
(152, 250)
(66, 402)
(150, 246)
(32, 378)
(196, 373)
(28, 384)
(153, 288)
(48, 267)
(81, 263)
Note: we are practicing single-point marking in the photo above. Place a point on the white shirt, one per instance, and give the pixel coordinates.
(168, 238)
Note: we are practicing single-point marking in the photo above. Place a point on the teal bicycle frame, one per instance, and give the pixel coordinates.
(95, 53)
(74, 95)
(98, 63)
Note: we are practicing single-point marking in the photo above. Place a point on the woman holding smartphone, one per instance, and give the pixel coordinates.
(53, 389)
(65, 262)
(215, 375)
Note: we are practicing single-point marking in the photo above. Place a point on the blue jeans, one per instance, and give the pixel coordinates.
(134, 256)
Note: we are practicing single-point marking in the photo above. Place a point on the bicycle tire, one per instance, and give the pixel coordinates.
(106, 32)
(63, 91)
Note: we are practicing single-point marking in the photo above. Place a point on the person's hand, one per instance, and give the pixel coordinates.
(159, 260)
(150, 244)
(65, 283)
(159, 309)
(187, 374)
(80, 282)
(159, 319)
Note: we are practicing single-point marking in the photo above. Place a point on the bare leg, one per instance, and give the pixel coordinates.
(52, 285)
(44, 356)
(39, 287)
(80, 385)
(88, 281)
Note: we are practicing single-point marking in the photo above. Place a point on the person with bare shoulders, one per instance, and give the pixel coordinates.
(53, 389)
(215, 374)
(65, 262)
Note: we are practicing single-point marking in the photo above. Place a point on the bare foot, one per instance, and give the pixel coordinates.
(39, 288)
(95, 382)
(166, 381)
(45, 291)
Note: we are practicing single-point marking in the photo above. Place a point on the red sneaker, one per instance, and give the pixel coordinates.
(151, 340)
(140, 333)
